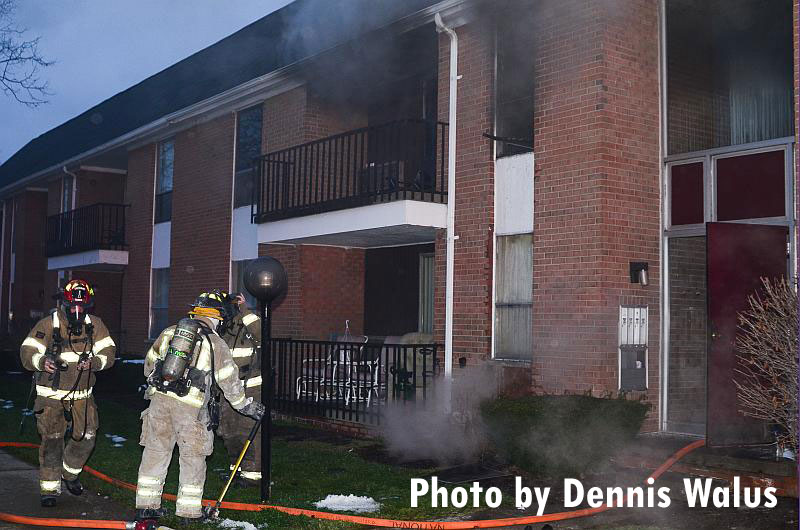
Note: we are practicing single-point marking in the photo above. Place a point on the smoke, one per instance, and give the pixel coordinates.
(445, 430)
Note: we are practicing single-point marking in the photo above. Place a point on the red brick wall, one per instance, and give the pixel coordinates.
(287, 318)
(475, 193)
(797, 104)
(326, 287)
(596, 197)
(6, 264)
(139, 234)
(284, 120)
(29, 287)
(94, 187)
(54, 197)
(201, 212)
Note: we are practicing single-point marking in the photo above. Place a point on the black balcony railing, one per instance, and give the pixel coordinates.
(97, 227)
(350, 381)
(395, 161)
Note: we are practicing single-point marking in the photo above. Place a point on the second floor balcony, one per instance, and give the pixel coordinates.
(398, 161)
(86, 236)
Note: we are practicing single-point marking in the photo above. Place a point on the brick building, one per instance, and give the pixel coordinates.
(624, 172)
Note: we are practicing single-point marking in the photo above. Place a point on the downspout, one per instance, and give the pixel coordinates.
(451, 195)
(74, 186)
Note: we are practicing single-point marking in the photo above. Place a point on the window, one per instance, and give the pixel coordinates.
(159, 301)
(166, 163)
(237, 273)
(248, 148)
(686, 194)
(514, 297)
(426, 265)
(514, 79)
(67, 191)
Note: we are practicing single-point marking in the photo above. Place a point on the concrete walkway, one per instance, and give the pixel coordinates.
(19, 495)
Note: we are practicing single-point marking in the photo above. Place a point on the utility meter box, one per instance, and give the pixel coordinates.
(633, 331)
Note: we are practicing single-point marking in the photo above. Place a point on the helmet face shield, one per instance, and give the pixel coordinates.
(212, 305)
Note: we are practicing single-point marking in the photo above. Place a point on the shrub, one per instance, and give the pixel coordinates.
(767, 352)
(561, 435)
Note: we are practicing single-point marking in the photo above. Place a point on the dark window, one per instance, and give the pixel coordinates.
(751, 186)
(166, 163)
(686, 194)
(248, 148)
(238, 282)
(515, 79)
(159, 301)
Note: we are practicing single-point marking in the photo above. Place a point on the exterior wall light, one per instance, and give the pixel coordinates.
(639, 273)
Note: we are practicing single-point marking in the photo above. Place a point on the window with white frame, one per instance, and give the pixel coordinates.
(159, 301)
(426, 267)
(237, 274)
(513, 297)
(165, 170)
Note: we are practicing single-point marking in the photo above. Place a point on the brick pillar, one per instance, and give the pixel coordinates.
(797, 105)
(139, 235)
(597, 188)
(29, 298)
(201, 212)
(472, 308)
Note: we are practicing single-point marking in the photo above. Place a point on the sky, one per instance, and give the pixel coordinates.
(101, 47)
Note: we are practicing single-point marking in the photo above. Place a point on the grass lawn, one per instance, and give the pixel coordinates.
(303, 470)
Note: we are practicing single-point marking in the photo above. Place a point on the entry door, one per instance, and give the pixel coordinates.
(738, 256)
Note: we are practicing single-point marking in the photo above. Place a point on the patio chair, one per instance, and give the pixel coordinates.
(328, 377)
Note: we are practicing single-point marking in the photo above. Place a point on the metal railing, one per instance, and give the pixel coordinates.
(350, 381)
(395, 161)
(100, 226)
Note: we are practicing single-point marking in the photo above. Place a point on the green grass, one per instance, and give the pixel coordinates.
(302, 471)
(561, 435)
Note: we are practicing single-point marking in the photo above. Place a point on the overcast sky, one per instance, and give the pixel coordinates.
(101, 47)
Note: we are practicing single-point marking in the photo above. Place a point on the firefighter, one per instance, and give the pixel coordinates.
(243, 337)
(183, 367)
(64, 350)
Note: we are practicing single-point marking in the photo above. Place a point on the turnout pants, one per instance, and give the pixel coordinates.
(166, 422)
(234, 429)
(57, 459)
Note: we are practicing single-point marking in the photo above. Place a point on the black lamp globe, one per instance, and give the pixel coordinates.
(265, 278)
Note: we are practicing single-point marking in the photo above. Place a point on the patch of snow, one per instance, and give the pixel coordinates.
(348, 503)
(117, 445)
(244, 525)
(9, 405)
(133, 361)
(110, 435)
(27, 412)
(117, 439)
(13, 373)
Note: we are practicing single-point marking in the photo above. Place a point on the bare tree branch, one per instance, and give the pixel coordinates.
(20, 61)
(768, 359)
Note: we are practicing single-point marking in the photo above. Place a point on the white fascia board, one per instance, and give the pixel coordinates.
(244, 237)
(415, 213)
(85, 259)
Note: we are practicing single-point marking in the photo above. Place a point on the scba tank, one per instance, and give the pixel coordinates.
(180, 349)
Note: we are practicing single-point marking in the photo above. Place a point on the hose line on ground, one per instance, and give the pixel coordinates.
(369, 521)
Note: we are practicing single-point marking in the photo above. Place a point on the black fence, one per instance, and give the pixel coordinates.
(350, 381)
(97, 227)
(395, 161)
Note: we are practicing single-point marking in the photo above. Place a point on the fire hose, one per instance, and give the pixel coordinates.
(368, 521)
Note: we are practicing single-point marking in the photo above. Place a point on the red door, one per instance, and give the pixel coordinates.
(738, 255)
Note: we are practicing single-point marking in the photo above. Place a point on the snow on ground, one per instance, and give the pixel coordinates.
(348, 503)
(133, 361)
(244, 525)
(117, 439)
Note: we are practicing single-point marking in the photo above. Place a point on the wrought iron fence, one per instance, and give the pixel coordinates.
(100, 226)
(350, 381)
(395, 161)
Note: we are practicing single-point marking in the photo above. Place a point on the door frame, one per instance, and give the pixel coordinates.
(709, 157)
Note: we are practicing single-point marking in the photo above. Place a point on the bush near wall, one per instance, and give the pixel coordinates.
(561, 435)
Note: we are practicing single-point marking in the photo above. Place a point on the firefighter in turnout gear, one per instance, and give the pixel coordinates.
(243, 337)
(184, 367)
(64, 350)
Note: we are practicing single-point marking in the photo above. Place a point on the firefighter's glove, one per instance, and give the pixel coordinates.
(254, 409)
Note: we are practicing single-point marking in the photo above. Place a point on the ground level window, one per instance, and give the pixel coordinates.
(513, 297)
(159, 301)
(237, 274)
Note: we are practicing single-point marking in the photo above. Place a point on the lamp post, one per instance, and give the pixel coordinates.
(265, 279)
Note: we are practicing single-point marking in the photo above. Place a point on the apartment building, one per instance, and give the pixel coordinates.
(624, 172)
